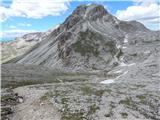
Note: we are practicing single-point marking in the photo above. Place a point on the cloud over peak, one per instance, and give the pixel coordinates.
(145, 11)
(33, 8)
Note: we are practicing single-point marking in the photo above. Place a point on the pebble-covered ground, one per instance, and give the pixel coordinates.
(134, 95)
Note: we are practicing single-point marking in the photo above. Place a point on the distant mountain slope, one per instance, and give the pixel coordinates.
(22, 44)
(91, 38)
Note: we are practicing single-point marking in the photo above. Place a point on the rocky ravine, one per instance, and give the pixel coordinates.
(92, 67)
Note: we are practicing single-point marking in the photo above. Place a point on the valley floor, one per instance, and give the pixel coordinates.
(134, 94)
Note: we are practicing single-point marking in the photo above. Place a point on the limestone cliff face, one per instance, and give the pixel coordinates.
(91, 38)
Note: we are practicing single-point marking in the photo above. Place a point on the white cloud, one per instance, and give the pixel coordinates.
(12, 26)
(28, 25)
(24, 24)
(138, 12)
(145, 2)
(33, 8)
(144, 11)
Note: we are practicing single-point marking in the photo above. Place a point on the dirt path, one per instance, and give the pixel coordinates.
(32, 107)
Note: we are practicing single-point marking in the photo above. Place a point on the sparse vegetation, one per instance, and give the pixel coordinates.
(64, 100)
(87, 90)
(85, 49)
(140, 86)
(86, 45)
(119, 54)
(141, 98)
(28, 82)
(109, 114)
(134, 55)
(100, 92)
(111, 47)
(92, 109)
(6, 111)
(108, 91)
(46, 96)
(4, 98)
(124, 115)
(72, 116)
(127, 101)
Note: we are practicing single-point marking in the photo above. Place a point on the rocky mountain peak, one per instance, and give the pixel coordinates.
(95, 11)
(80, 10)
(90, 38)
(90, 11)
(85, 12)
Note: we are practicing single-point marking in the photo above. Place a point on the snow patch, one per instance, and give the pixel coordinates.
(125, 40)
(123, 64)
(124, 47)
(114, 71)
(118, 46)
(119, 71)
(109, 81)
(122, 74)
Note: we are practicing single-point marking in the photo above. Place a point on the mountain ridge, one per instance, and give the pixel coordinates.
(64, 47)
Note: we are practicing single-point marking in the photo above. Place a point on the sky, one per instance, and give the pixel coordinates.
(19, 17)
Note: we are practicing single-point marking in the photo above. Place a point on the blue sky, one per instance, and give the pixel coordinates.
(22, 16)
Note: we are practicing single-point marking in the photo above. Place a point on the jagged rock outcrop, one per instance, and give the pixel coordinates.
(91, 38)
